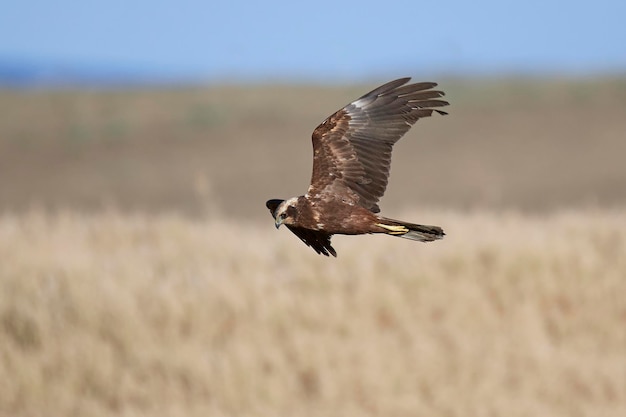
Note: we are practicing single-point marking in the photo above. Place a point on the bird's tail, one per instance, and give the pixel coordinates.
(418, 232)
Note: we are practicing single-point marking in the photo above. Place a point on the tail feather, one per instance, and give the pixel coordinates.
(419, 232)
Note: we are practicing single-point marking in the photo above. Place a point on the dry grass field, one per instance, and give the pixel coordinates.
(128, 315)
(141, 275)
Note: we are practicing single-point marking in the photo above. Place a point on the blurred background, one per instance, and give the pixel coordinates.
(140, 272)
(199, 107)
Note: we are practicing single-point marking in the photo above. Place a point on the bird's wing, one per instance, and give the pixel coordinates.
(319, 241)
(352, 148)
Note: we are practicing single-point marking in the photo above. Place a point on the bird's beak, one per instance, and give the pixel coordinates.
(278, 221)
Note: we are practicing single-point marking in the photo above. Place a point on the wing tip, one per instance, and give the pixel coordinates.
(386, 88)
(323, 249)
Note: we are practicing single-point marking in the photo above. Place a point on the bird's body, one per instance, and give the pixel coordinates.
(351, 162)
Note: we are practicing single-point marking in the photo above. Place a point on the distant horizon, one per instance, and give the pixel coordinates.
(28, 73)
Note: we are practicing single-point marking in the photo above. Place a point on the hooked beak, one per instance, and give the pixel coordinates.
(278, 221)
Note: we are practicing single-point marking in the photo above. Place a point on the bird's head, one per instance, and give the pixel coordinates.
(283, 211)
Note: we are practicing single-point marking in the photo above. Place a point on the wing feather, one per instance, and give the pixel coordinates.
(352, 148)
(319, 241)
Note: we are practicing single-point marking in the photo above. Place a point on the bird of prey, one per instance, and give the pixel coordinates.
(351, 161)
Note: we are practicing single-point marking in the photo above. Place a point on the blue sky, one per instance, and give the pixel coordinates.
(319, 40)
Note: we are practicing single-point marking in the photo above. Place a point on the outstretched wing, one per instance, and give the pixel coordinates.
(319, 241)
(352, 148)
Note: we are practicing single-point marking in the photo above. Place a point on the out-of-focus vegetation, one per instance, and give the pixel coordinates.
(530, 145)
(140, 315)
(140, 273)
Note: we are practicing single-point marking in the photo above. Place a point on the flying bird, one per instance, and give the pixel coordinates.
(351, 161)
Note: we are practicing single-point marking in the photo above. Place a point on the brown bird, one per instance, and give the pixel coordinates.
(351, 161)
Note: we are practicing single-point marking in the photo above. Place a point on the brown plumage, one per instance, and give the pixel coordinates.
(351, 161)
